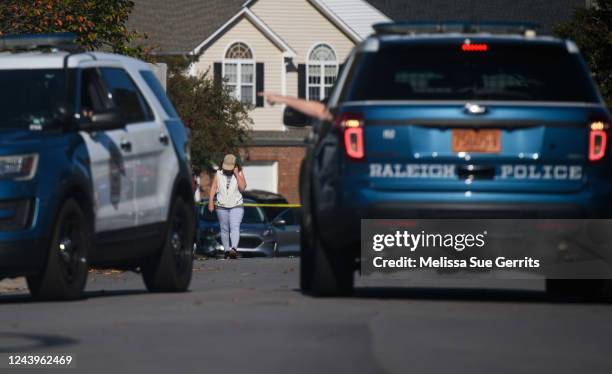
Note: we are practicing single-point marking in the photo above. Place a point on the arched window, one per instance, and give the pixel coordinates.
(239, 70)
(322, 72)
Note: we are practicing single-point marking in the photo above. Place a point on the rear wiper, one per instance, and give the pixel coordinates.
(500, 95)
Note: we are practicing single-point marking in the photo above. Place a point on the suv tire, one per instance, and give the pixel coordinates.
(65, 273)
(171, 270)
(322, 271)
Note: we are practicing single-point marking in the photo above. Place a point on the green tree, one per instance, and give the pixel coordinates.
(218, 122)
(591, 29)
(98, 24)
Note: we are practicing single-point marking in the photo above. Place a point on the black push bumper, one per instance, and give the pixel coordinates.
(24, 257)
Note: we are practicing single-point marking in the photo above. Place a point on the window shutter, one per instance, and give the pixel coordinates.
(302, 81)
(340, 68)
(259, 84)
(217, 72)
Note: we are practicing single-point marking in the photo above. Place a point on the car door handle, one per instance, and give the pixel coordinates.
(126, 145)
(163, 138)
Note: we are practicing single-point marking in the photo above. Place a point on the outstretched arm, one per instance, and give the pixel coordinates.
(314, 109)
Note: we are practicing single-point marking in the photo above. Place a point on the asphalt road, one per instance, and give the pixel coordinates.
(246, 316)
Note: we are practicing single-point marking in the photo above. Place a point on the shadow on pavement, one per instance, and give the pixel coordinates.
(113, 293)
(26, 298)
(446, 294)
(468, 294)
(32, 342)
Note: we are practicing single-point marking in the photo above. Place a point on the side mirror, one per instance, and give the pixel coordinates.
(293, 118)
(101, 121)
(279, 222)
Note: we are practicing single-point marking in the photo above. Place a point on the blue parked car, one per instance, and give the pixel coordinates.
(450, 121)
(264, 232)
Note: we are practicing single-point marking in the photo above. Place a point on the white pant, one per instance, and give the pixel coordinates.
(229, 220)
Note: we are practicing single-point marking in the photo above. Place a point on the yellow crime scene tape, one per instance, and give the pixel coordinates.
(274, 205)
(266, 205)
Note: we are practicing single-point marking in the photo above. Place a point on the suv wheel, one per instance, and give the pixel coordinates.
(65, 272)
(323, 272)
(171, 270)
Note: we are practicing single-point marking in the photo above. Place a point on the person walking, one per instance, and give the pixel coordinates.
(226, 191)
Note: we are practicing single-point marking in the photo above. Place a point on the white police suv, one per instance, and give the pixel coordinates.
(94, 169)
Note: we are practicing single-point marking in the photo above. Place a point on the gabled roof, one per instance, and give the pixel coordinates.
(354, 17)
(178, 26)
(187, 26)
(245, 12)
(181, 26)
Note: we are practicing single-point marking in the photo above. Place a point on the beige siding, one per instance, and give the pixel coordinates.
(266, 118)
(300, 25)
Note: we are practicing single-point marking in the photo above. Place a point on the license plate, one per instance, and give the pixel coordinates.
(482, 141)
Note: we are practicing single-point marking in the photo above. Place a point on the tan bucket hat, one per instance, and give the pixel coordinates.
(229, 162)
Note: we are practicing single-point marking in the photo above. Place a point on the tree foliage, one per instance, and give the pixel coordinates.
(591, 29)
(98, 24)
(218, 122)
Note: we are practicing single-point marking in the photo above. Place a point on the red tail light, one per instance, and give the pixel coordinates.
(598, 139)
(351, 126)
(476, 47)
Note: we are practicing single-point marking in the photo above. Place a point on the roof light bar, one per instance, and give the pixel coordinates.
(64, 41)
(432, 27)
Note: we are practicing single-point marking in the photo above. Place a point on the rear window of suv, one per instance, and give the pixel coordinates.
(505, 71)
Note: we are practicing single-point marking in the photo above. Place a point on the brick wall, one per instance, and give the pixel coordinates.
(289, 160)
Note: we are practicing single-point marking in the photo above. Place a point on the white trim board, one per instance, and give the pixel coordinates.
(259, 24)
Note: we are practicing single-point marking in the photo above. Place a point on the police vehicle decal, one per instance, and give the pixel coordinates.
(442, 171)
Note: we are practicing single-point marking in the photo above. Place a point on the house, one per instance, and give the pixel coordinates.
(295, 47)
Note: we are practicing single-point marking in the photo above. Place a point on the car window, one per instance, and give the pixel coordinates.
(502, 71)
(126, 95)
(272, 212)
(253, 215)
(289, 216)
(159, 92)
(93, 97)
(31, 97)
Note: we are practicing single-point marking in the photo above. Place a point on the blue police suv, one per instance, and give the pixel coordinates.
(94, 169)
(450, 121)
